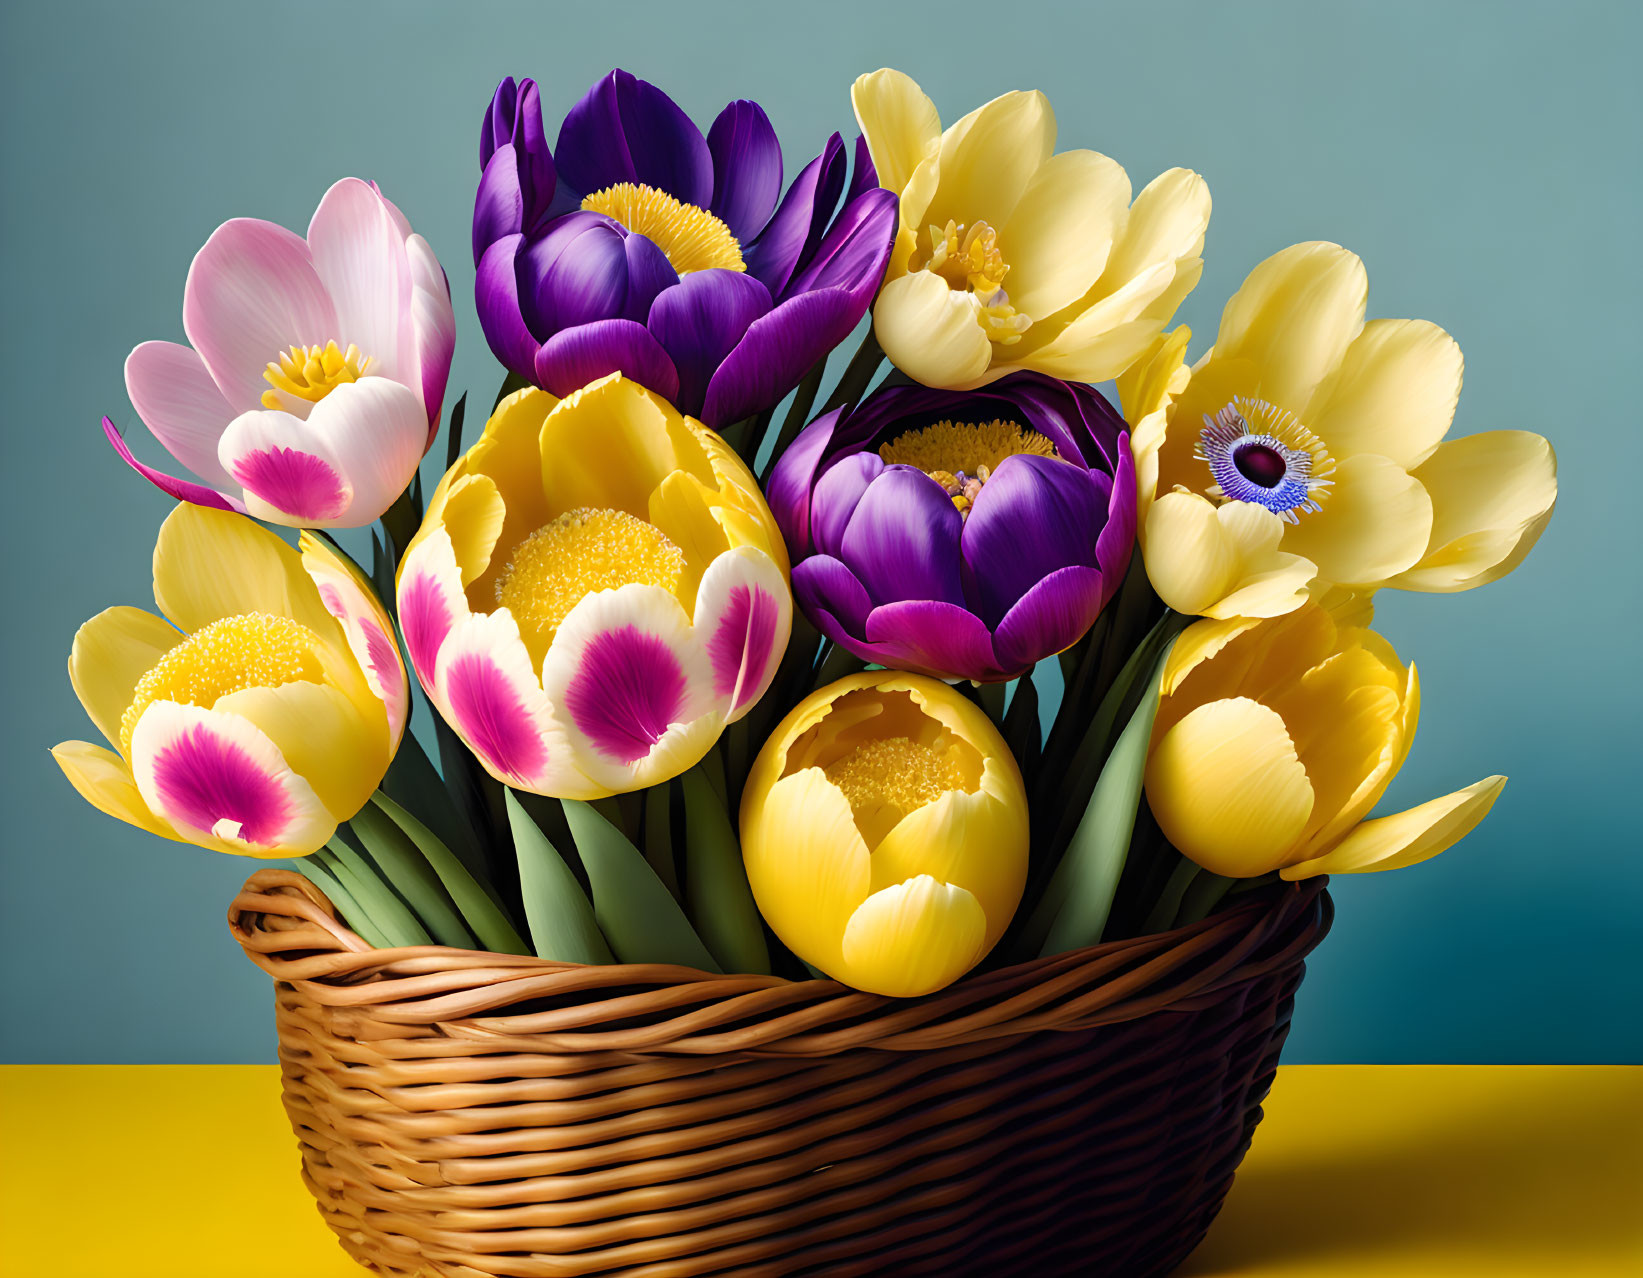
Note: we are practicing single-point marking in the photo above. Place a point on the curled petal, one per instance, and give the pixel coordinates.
(103, 779)
(181, 489)
(914, 938)
(1054, 614)
(433, 325)
(932, 332)
(744, 613)
(431, 603)
(785, 245)
(366, 626)
(788, 490)
(778, 350)
(699, 321)
(496, 298)
(111, 653)
(1406, 838)
(577, 357)
(834, 599)
(221, 783)
(933, 638)
(838, 492)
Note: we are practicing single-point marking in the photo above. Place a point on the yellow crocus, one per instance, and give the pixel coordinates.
(260, 711)
(884, 828)
(1306, 450)
(1275, 738)
(1010, 256)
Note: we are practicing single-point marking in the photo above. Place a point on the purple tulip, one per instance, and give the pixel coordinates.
(638, 246)
(964, 534)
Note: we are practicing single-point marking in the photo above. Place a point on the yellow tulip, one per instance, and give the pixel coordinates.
(597, 589)
(1307, 448)
(1275, 738)
(884, 828)
(1010, 256)
(263, 710)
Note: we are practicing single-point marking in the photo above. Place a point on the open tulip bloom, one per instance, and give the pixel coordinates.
(644, 755)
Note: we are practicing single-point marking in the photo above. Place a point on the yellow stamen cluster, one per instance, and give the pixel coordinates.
(894, 772)
(311, 373)
(578, 553)
(692, 238)
(961, 456)
(969, 259)
(251, 650)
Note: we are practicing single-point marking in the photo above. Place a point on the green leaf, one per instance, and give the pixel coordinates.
(659, 835)
(350, 910)
(453, 431)
(636, 912)
(361, 880)
(562, 924)
(414, 784)
(408, 871)
(1168, 904)
(511, 384)
(1022, 731)
(1073, 910)
(716, 890)
(479, 910)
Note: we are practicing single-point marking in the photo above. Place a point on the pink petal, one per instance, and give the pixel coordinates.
(433, 323)
(181, 489)
(359, 256)
(289, 477)
(180, 404)
(431, 603)
(366, 626)
(744, 613)
(252, 292)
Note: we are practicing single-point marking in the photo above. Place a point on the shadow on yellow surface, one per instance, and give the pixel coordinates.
(190, 1171)
(1439, 1170)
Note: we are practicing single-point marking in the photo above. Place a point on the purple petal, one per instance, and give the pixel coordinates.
(1035, 515)
(747, 168)
(515, 192)
(788, 489)
(864, 177)
(649, 272)
(628, 690)
(832, 597)
(777, 352)
(699, 321)
(496, 298)
(626, 130)
(1055, 614)
(855, 250)
(576, 274)
(181, 489)
(783, 248)
(1117, 540)
(837, 494)
(934, 638)
(903, 540)
(569, 360)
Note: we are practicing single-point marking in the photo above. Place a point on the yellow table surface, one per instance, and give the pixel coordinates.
(189, 1171)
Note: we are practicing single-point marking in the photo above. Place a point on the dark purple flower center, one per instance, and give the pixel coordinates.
(1261, 464)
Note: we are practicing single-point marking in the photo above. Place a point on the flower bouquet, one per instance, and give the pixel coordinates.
(866, 815)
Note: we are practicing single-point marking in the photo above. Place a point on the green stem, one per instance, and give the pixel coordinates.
(399, 524)
(397, 924)
(836, 662)
(858, 375)
(798, 412)
(1204, 894)
(1169, 900)
(411, 875)
(992, 701)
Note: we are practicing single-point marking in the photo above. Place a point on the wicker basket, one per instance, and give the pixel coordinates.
(482, 1115)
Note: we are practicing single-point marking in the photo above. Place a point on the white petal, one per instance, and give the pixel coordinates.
(744, 614)
(179, 403)
(359, 255)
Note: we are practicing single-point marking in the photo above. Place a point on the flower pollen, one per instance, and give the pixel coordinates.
(1259, 453)
(961, 456)
(582, 551)
(969, 259)
(692, 238)
(310, 373)
(894, 772)
(250, 650)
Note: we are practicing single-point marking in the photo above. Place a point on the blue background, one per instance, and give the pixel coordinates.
(1483, 159)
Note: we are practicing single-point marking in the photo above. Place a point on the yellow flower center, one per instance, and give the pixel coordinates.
(311, 373)
(692, 238)
(582, 551)
(251, 650)
(895, 773)
(961, 456)
(967, 256)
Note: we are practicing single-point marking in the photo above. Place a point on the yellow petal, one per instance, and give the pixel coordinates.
(1166, 223)
(337, 745)
(900, 123)
(1294, 317)
(1060, 234)
(680, 509)
(806, 862)
(988, 157)
(1197, 644)
(973, 841)
(509, 453)
(103, 779)
(932, 332)
(1227, 788)
(914, 938)
(210, 564)
(1406, 838)
(1492, 495)
(1221, 561)
(1393, 394)
(1259, 662)
(1096, 338)
(1153, 381)
(111, 653)
(1372, 524)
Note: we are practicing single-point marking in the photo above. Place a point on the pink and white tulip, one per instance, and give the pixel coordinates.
(635, 681)
(316, 371)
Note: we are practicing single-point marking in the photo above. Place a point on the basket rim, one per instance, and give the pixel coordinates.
(289, 929)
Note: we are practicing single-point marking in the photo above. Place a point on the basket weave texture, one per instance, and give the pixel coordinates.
(474, 1115)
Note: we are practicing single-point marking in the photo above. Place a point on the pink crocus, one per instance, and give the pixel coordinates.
(316, 368)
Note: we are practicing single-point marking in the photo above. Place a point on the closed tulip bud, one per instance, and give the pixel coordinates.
(1275, 738)
(884, 827)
